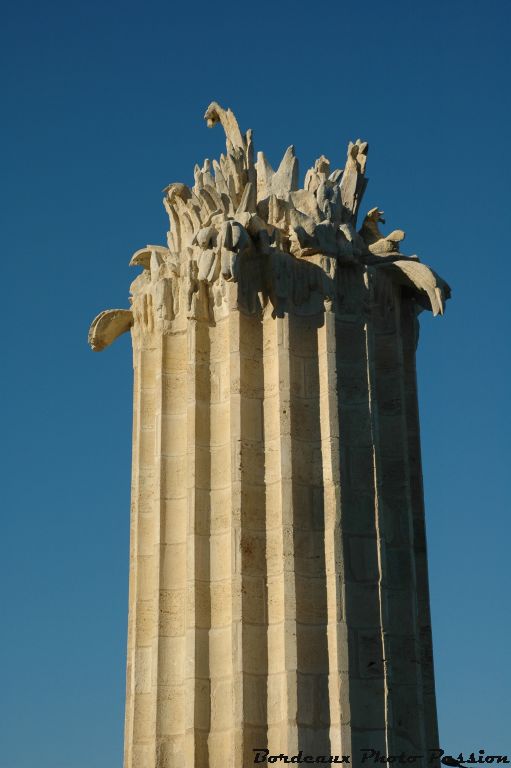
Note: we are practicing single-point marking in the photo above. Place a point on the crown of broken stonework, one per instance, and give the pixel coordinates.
(246, 223)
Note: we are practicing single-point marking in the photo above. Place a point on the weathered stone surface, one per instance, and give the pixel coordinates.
(278, 578)
(107, 326)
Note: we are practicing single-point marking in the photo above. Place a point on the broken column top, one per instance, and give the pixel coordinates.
(244, 222)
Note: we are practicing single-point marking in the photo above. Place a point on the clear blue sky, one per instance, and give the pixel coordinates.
(102, 107)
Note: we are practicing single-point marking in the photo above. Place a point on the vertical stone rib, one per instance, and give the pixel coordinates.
(192, 736)
(380, 532)
(340, 738)
(198, 623)
(222, 548)
(412, 668)
(361, 654)
(158, 689)
(143, 752)
(405, 729)
(132, 600)
(308, 531)
(282, 653)
(409, 332)
(172, 546)
(236, 362)
(252, 637)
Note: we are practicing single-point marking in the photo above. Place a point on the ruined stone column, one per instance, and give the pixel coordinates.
(278, 580)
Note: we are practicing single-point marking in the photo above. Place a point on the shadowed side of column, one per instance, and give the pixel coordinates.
(313, 715)
(409, 334)
(405, 725)
(362, 680)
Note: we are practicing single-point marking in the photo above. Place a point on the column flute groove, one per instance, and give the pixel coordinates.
(282, 649)
(198, 624)
(409, 338)
(340, 739)
(132, 590)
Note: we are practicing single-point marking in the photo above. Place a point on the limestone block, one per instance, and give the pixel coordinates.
(172, 612)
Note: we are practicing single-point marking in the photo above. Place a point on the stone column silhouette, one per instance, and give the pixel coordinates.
(278, 594)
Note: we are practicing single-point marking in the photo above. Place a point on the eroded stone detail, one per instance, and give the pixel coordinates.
(107, 326)
(246, 223)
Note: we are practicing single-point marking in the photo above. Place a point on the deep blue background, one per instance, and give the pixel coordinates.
(102, 108)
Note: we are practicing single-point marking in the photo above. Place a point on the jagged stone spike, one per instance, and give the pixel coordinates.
(219, 179)
(203, 209)
(249, 154)
(240, 162)
(248, 202)
(171, 241)
(322, 165)
(265, 174)
(234, 180)
(285, 180)
(212, 199)
(185, 220)
(194, 212)
(174, 222)
(308, 180)
(206, 175)
(196, 175)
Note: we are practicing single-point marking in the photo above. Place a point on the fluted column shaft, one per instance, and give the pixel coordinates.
(278, 582)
